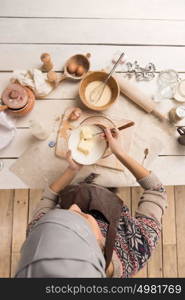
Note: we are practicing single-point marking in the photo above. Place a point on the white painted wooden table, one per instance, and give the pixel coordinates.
(147, 31)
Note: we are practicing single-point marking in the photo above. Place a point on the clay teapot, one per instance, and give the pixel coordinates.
(17, 99)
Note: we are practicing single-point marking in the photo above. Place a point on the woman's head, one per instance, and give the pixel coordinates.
(91, 222)
(62, 244)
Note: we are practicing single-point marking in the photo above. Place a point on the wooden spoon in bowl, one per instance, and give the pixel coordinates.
(129, 124)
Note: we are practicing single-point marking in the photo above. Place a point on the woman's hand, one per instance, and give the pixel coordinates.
(113, 138)
(133, 166)
(72, 164)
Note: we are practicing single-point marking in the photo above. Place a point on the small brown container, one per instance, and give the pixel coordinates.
(19, 108)
(98, 76)
(27, 108)
(78, 60)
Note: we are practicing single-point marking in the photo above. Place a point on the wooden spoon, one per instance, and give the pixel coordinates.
(129, 124)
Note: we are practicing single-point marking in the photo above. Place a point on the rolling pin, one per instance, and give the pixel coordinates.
(130, 90)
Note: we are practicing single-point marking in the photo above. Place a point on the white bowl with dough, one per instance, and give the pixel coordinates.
(98, 149)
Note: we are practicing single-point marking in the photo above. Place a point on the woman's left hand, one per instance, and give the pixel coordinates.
(73, 165)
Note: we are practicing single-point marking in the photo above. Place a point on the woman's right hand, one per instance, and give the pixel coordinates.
(114, 140)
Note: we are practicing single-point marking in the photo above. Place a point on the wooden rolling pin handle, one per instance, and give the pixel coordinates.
(3, 107)
(158, 115)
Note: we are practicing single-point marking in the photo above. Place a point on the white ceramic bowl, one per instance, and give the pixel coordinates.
(98, 150)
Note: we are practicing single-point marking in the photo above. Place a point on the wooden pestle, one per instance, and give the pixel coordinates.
(47, 63)
(130, 90)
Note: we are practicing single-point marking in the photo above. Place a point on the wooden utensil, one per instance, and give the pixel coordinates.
(119, 128)
(138, 97)
(79, 60)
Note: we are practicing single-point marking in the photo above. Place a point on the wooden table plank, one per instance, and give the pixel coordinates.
(101, 56)
(169, 236)
(46, 109)
(180, 227)
(155, 9)
(6, 215)
(170, 261)
(169, 233)
(68, 90)
(34, 198)
(123, 31)
(20, 219)
(155, 265)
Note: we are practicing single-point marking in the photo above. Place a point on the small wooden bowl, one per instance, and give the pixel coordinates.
(99, 76)
(80, 60)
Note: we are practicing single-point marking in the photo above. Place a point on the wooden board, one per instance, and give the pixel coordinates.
(155, 9)
(170, 261)
(155, 265)
(101, 56)
(34, 198)
(122, 31)
(169, 237)
(19, 225)
(6, 216)
(65, 130)
(169, 233)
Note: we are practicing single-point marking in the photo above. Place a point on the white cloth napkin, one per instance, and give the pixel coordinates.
(35, 79)
(7, 130)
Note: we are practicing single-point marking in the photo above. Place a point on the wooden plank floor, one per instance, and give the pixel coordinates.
(168, 259)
